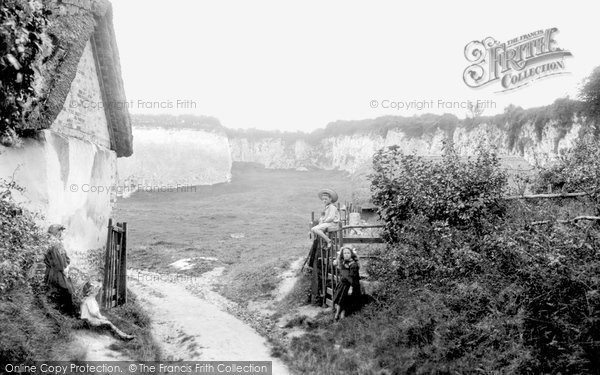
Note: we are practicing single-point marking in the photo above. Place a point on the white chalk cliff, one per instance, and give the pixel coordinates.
(351, 152)
(171, 157)
(197, 151)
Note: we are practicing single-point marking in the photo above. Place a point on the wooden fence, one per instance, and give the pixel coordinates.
(114, 288)
(325, 274)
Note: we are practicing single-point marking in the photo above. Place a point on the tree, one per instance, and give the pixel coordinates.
(590, 95)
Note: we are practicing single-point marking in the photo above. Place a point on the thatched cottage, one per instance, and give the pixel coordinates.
(78, 129)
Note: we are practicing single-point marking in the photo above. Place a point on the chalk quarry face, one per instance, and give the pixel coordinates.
(188, 156)
(176, 157)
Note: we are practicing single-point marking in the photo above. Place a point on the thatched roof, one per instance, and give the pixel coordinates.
(72, 24)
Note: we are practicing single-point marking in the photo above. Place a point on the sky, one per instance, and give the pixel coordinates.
(282, 65)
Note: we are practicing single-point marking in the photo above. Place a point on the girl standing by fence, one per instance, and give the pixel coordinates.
(347, 297)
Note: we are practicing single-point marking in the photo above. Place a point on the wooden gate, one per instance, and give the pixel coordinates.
(114, 287)
(325, 274)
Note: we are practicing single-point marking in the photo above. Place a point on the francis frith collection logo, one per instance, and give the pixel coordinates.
(514, 63)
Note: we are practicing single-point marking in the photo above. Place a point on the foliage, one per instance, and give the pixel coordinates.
(416, 126)
(577, 169)
(522, 300)
(28, 325)
(502, 297)
(22, 24)
(563, 111)
(560, 114)
(454, 191)
(590, 95)
(21, 242)
(31, 329)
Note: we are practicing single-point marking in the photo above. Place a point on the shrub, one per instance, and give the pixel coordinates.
(22, 24)
(30, 328)
(590, 95)
(578, 169)
(453, 191)
(22, 243)
(476, 285)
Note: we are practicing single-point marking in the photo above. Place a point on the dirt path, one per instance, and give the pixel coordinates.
(97, 347)
(189, 320)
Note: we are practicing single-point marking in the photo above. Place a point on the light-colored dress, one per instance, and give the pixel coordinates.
(90, 312)
(330, 219)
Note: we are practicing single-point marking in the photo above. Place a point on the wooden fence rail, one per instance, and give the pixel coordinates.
(573, 220)
(114, 288)
(548, 196)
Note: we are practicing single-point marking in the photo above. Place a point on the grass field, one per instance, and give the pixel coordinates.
(254, 226)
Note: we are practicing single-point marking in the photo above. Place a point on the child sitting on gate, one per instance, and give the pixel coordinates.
(347, 295)
(330, 218)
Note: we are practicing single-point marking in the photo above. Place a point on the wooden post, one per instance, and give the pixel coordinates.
(117, 264)
(111, 277)
(341, 236)
(105, 287)
(315, 290)
(323, 275)
(326, 278)
(340, 244)
(122, 293)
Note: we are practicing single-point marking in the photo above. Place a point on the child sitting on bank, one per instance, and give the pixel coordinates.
(331, 216)
(90, 311)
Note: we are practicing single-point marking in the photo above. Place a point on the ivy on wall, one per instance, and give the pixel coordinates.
(22, 25)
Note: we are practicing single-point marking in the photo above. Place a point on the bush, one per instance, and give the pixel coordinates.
(30, 328)
(576, 170)
(590, 95)
(22, 242)
(454, 192)
(22, 24)
(476, 286)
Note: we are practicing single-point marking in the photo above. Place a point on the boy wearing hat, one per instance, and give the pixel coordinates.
(330, 218)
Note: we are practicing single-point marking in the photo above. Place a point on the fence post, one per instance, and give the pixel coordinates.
(122, 293)
(106, 265)
(111, 268)
(117, 263)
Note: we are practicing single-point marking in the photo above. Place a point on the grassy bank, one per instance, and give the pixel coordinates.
(470, 284)
(31, 328)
